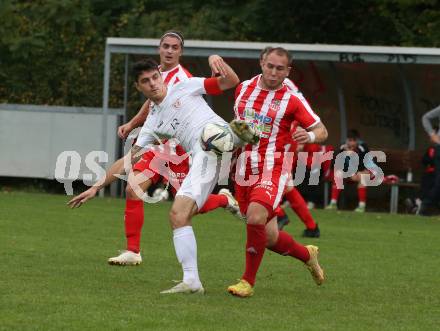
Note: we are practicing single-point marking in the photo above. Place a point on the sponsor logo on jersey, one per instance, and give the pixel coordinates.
(177, 104)
(260, 123)
(275, 105)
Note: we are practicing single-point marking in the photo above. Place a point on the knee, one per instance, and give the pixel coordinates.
(272, 238)
(178, 218)
(256, 218)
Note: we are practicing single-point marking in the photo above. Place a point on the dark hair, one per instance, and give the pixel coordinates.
(264, 52)
(147, 64)
(278, 50)
(353, 134)
(175, 34)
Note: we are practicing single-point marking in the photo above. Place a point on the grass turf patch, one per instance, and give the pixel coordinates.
(383, 272)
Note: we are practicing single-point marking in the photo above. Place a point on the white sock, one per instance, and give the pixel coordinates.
(186, 251)
(362, 204)
(333, 202)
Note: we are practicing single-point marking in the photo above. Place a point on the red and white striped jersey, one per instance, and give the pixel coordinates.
(271, 114)
(175, 75)
(291, 85)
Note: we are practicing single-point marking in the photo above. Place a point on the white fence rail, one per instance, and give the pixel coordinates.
(32, 137)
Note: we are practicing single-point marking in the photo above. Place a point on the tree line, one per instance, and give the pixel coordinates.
(51, 51)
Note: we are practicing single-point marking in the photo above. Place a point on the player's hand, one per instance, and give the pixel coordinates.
(435, 138)
(217, 65)
(301, 136)
(83, 197)
(124, 130)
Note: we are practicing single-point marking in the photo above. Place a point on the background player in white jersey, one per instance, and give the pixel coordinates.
(179, 112)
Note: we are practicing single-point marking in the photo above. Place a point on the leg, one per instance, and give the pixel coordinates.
(434, 193)
(335, 192)
(282, 218)
(282, 243)
(191, 196)
(259, 201)
(362, 191)
(256, 217)
(185, 245)
(299, 206)
(134, 220)
(256, 240)
(214, 201)
(134, 214)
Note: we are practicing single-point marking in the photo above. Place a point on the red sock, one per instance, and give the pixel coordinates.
(214, 201)
(299, 206)
(362, 194)
(134, 219)
(286, 245)
(255, 247)
(279, 212)
(335, 192)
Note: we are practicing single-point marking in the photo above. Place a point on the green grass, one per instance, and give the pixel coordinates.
(383, 272)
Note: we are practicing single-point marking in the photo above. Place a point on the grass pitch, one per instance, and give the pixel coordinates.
(383, 272)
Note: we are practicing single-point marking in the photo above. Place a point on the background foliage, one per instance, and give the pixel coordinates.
(51, 51)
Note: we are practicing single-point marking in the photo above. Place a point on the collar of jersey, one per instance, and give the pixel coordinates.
(163, 72)
(160, 105)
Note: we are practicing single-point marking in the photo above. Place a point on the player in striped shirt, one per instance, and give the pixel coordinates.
(263, 169)
(170, 52)
(291, 194)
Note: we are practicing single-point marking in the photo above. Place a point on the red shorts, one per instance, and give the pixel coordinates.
(267, 193)
(160, 164)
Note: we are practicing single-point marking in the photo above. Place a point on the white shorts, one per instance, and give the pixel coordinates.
(202, 176)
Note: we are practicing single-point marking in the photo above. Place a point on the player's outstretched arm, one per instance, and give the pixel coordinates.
(317, 134)
(227, 77)
(117, 168)
(137, 121)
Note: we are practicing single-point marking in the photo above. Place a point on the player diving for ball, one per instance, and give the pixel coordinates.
(180, 112)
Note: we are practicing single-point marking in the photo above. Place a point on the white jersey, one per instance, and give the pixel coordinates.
(182, 114)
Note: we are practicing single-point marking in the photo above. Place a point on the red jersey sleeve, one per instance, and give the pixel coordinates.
(212, 87)
(237, 90)
(303, 113)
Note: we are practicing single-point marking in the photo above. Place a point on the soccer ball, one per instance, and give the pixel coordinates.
(217, 138)
(161, 194)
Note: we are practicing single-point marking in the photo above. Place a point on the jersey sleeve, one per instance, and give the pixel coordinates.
(238, 90)
(303, 113)
(146, 136)
(291, 85)
(199, 85)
